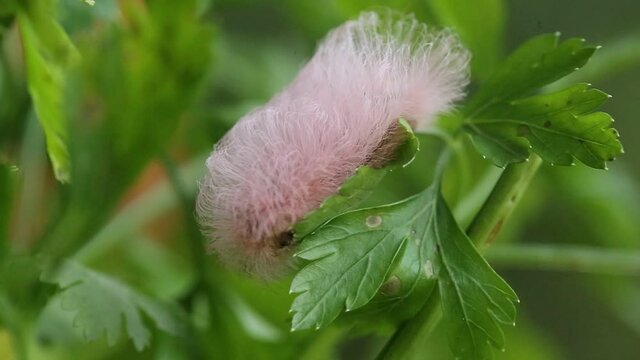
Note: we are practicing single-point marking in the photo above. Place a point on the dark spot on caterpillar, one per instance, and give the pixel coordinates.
(547, 124)
(285, 239)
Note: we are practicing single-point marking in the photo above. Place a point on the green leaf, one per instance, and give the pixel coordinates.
(559, 127)
(353, 254)
(359, 186)
(125, 106)
(102, 305)
(536, 63)
(480, 26)
(475, 299)
(355, 190)
(48, 53)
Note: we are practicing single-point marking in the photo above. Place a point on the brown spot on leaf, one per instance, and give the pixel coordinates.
(392, 286)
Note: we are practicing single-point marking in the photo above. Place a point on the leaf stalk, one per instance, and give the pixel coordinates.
(576, 258)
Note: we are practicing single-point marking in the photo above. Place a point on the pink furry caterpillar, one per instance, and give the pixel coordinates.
(280, 161)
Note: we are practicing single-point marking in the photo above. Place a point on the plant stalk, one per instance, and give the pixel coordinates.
(203, 282)
(408, 339)
(502, 201)
(585, 259)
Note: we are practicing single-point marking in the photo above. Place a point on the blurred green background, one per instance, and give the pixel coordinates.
(152, 85)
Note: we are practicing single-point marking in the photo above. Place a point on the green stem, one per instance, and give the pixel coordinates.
(203, 282)
(587, 259)
(485, 226)
(186, 198)
(503, 199)
(6, 194)
(30, 192)
(409, 339)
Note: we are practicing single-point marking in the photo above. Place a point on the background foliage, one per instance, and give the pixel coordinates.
(140, 90)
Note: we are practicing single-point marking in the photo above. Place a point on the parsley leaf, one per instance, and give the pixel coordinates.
(351, 258)
(48, 53)
(538, 62)
(102, 305)
(505, 120)
(353, 254)
(475, 299)
(559, 127)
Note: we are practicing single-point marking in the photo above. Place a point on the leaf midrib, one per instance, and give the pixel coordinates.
(455, 284)
(541, 128)
(344, 273)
